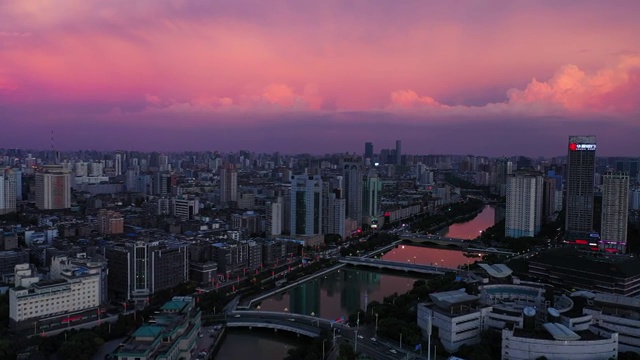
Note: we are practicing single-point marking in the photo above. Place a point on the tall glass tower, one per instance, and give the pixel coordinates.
(581, 159)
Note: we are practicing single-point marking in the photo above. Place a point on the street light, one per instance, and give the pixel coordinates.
(355, 344)
(376, 324)
(323, 348)
(286, 309)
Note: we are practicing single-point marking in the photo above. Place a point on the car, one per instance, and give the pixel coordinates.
(360, 337)
(292, 319)
(236, 316)
(373, 339)
(393, 351)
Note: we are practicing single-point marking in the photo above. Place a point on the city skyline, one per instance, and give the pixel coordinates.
(304, 77)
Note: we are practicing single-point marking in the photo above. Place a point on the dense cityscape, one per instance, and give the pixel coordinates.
(319, 180)
(122, 255)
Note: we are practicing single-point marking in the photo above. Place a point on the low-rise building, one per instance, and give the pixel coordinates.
(45, 305)
(170, 334)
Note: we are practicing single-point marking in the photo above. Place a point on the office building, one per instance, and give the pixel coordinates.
(368, 150)
(228, 184)
(398, 152)
(524, 204)
(548, 198)
(580, 189)
(8, 191)
(371, 197)
(45, 305)
(353, 187)
(615, 211)
(535, 321)
(53, 188)
(306, 205)
(139, 269)
(110, 222)
(171, 333)
(580, 269)
(185, 209)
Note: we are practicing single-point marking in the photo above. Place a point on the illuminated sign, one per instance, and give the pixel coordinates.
(578, 147)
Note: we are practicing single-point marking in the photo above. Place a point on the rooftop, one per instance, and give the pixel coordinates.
(448, 299)
(497, 270)
(571, 258)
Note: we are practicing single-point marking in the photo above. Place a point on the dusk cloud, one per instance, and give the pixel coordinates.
(569, 90)
(302, 64)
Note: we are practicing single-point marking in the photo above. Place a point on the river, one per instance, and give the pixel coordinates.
(471, 229)
(348, 290)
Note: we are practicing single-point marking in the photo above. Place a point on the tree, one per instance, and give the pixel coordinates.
(346, 352)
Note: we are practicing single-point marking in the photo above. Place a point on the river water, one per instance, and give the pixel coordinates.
(347, 290)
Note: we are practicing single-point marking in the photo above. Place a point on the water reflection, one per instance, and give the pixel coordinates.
(429, 256)
(339, 293)
(256, 345)
(472, 228)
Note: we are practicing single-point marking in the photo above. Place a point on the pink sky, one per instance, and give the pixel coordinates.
(242, 66)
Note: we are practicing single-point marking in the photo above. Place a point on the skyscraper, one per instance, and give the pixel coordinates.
(228, 184)
(549, 198)
(8, 190)
(524, 204)
(615, 211)
(306, 205)
(53, 188)
(398, 152)
(580, 174)
(372, 188)
(368, 150)
(353, 186)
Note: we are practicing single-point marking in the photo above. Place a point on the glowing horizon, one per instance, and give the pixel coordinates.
(305, 69)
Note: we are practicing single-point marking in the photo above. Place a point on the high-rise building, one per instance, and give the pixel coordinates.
(274, 219)
(548, 198)
(110, 222)
(398, 152)
(371, 196)
(117, 164)
(228, 184)
(579, 197)
(504, 167)
(306, 205)
(524, 204)
(139, 269)
(334, 212)
(8, 190)
(615, 211)
(53, 188)
(368, 150)
(353, 187)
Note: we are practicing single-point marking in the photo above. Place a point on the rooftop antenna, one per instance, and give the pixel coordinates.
(56, 155)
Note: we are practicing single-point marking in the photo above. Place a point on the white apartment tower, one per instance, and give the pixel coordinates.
(274, 219)
(615, 211)
(8, 191)
(524, 204)
(117, 164)
(53, 188)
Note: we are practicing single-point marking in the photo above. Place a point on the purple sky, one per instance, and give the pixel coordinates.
(495, 78)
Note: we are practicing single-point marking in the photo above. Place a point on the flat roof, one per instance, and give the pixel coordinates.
(560, 332)
(449, 298)
(497, 270)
